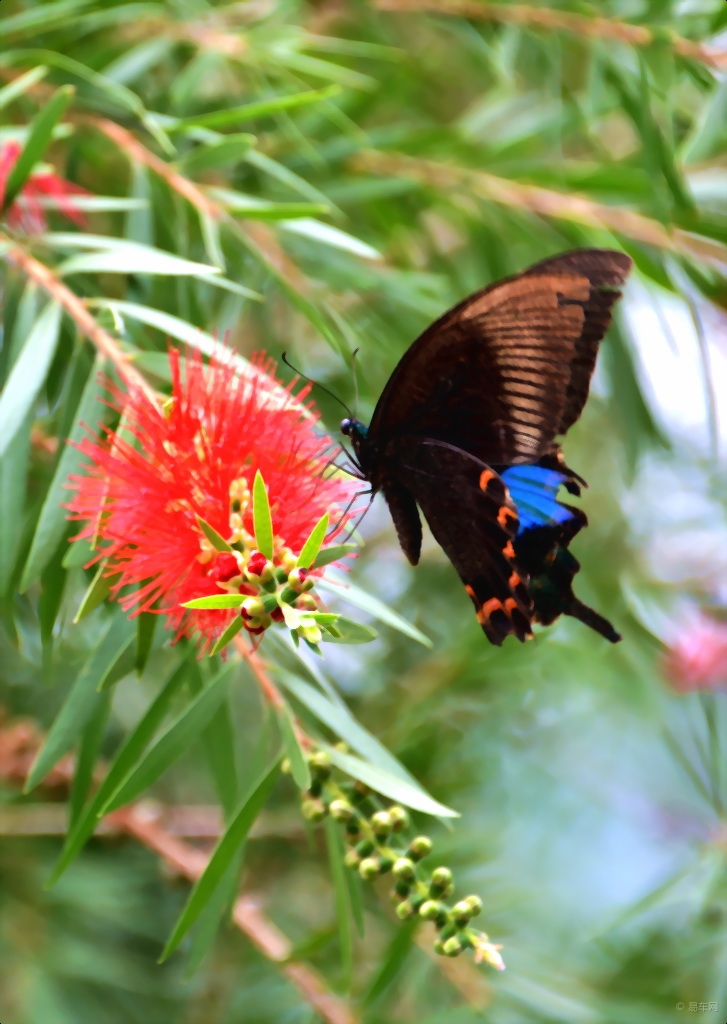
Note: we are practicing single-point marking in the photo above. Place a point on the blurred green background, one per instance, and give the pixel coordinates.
(423, 154)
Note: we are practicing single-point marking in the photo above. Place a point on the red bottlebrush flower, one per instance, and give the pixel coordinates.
(197, 456)
(697, 660)
(26, 212)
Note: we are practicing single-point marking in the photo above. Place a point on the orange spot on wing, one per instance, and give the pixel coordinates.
(514, 581)
(487, 609)
(485, 477)
(470, 591)
(510, 605)
(509, 551)
(505, 515)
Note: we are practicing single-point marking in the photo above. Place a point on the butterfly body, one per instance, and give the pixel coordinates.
(465, 430)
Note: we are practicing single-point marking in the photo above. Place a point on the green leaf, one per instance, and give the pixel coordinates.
(14, 466)
(230, 149)
(293, 750)
(21, 85)
(389, 785)
(309, 551)
(346, 631)
(229, 634)
(253, 208)
(175, 741)
(88, 751)
(336, 853)
(217, 541)
(135, 259)
(129, 753)
(52, 520)
(261, 108)
(261, 517)
(223, 856)
(83, 700)
(217, 601)
(146, 624)
(348, 591)
(332, 554)
(28, 373)
(328, 235)
(210, 917)
(340, 721)
(39, 137)
(98, 590)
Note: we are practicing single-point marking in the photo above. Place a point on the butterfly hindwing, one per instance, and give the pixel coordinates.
(472, 518)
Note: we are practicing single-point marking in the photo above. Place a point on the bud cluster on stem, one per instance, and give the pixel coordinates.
(379, 843)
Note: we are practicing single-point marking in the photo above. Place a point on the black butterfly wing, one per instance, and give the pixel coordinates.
(472, 518)
(504, 372)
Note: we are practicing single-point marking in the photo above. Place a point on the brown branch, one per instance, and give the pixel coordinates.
(19, 743)
(44, 277)
(247, 915)
(562, 21)
(543, 202)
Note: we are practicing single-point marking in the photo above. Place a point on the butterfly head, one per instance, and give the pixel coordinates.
(354, 429)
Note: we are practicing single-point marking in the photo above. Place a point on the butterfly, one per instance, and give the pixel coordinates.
(466, 430)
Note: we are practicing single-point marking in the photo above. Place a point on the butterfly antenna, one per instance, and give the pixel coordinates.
(355, 381)
(316, 384)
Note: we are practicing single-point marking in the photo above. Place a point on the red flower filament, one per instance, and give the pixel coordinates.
(197, 456)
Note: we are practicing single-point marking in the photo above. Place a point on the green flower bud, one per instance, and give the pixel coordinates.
(439, 947)
(404, 868)
(341, 810)
(253, 608)
(299, 580)
(441, 879)
(359, 792)
(385, 864)
(462, 911)
(430, 910)
(369, 868)
(381, 823)
(402, 889)
(285, 766)
(399, 818)
(306, 603)
(313, 810)
(419, 847)
(351, 859)
(475, 904)
(405, 910)
(343, 747)
(452, 947)
(365, 848)
(320, 764)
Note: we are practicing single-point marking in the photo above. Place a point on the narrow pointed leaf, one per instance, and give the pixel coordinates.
(298, 765)
(98, 590)
(348, 591)
(261, 517)
(217, 541)
(216, 601)
(175, 741)
(131, 750)
(28, 374)
(389, 785)
(52, 520)
(83, 700)
(261, 108)
(40, 134)
(229, 634)
(333, 553)
(309, 551)
(222, 856)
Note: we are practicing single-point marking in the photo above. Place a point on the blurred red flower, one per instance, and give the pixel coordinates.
(697, 660)
(26, 211)
(197, 455)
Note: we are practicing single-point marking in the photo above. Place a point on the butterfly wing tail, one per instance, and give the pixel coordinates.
(581, 611)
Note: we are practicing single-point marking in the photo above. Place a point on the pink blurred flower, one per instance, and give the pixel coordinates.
(697, 659)
(26, 212)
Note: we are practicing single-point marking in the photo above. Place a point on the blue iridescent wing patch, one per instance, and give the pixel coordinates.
(534, 490)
